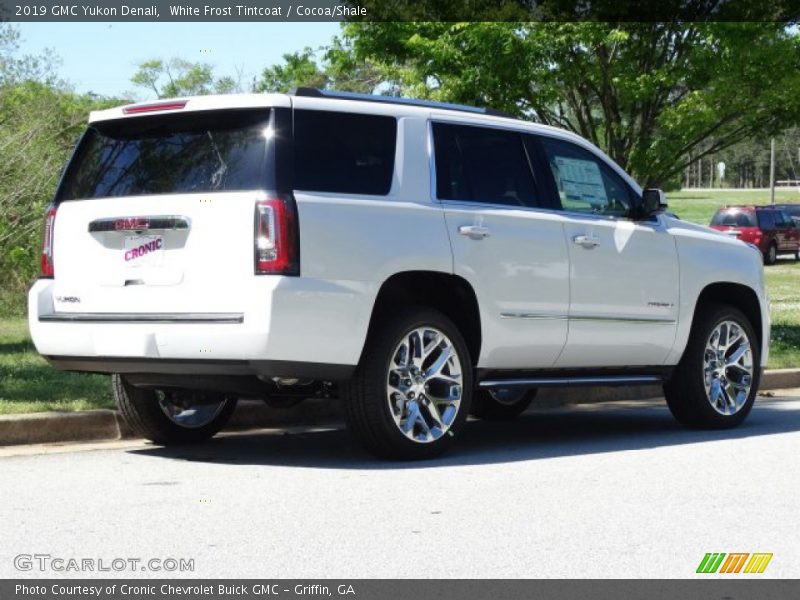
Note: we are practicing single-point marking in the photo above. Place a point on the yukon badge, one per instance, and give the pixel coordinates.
(68, 299)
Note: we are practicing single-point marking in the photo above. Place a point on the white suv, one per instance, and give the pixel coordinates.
(422, 261)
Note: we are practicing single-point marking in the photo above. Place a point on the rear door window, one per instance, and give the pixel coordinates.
(766, 219)
(344, 153)
(208, 151)
(481, 164)
(782, 219)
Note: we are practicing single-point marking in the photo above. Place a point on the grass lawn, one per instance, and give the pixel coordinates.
(29, 384)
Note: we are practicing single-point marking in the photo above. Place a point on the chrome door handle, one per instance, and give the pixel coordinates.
(585, 241)
(475, 232)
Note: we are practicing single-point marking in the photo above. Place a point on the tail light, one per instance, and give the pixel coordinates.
(277, 247)
(47, 242)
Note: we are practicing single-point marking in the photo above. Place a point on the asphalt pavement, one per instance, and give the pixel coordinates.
(611, 490)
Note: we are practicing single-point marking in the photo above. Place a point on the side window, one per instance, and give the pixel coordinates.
(766, 219)
(343, 152)
(482, 164)
(584, 182)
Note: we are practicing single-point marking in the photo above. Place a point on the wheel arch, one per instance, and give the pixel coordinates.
(734, 294)
(448, 293)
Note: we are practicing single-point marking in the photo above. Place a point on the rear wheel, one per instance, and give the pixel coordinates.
(172, 416)
(501, 403)
(772, 254)
(716, 382)
(410, 395)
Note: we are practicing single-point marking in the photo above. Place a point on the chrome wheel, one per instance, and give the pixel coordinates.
(424, 385)
(191, 411)
(728, 368)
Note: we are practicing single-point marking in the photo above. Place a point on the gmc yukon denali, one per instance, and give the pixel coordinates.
(420, 261)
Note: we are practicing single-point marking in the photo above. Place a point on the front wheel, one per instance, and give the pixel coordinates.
(411, 392)
(171, 416)
(501, 403)
(716, 382)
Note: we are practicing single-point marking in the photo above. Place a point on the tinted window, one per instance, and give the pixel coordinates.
(194, 152)
(343, 152)
(734, 218)
(766, 219)
(782, 219)
(585, 183)
(482, 165)
(793, 210)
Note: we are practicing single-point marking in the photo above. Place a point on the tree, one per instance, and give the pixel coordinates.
(40, 120)
(299, 69)
(338, 68)
(649, 94)
(179, 77)
(15, 68)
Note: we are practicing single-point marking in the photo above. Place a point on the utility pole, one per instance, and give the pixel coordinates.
(772, 171)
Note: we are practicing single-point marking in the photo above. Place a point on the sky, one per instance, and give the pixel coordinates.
(102, 57)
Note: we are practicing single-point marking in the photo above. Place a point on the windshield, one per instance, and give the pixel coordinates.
(734, 218)
(170, 154)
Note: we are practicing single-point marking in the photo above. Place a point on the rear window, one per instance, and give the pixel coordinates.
(343, 153)
(170, 154)
(734, 218)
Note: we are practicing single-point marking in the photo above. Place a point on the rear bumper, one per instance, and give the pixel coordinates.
(278, 327)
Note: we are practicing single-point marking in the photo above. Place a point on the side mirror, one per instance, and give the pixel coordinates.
(653, 202)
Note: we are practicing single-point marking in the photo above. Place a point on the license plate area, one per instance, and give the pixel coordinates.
(143, 251)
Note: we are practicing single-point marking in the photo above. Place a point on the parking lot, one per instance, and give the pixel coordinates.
(612, 490)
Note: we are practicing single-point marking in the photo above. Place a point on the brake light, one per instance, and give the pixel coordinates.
(276, 238)
(47, 242)
(144, 108)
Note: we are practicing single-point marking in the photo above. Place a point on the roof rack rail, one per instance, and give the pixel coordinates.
(337, 95)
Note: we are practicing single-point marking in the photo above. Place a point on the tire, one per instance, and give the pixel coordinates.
(501, 404)
(686, 392)
(385, 393)
(142, 410)
(771, 257)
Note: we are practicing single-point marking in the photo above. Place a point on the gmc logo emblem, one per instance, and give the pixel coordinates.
(132, 223)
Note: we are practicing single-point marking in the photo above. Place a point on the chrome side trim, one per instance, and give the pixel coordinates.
(636, 320)
(570, 381)
(142, 318)
(533, 316)
(543, 317)
(127, 224)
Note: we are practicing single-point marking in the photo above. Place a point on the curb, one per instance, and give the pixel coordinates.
(104, 424)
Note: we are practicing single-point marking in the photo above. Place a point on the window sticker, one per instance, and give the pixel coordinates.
(581, 181)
